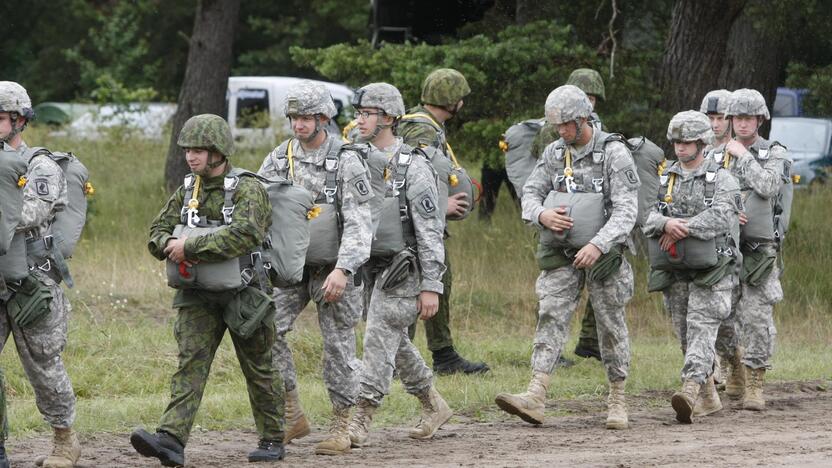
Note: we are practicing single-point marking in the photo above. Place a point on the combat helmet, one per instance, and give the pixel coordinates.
(14, 98)
(382, 96)
(207, 131)
(690, 126)
(309, 98)
(747, 102)
(444, 87)
(715, 102)
(589, 81)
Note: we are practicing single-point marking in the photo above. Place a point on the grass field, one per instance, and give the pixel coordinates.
(121, 350)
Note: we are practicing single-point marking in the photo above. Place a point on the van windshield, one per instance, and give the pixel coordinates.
(253, 108)
(802, 135)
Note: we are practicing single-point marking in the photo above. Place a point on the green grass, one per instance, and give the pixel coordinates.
(121, 350)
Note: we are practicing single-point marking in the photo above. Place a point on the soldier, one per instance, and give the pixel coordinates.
(595, 168)
(692, 255)
(405, 276)
(442, 97)
(336, 176)
(41, 342)
(212, 196)
(762, 169)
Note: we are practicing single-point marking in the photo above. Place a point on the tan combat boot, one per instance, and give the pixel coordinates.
(684, 401)
(297, 425)
(708, 402)
(359, 428)
(435, 413)
(529, 405)
(66, 450)
(616, 407)
(735, 383)
(338, 441)
(753, 399)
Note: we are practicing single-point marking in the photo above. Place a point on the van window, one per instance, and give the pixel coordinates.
(253, 108)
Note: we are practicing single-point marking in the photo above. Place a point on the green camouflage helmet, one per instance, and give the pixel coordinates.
(567, 103)
(309, 98)
(690, 126)
(207, 131)
(715, 102)
(382, 96)
(747, 102)
(589, 81)
(14, 98)
(444, 87)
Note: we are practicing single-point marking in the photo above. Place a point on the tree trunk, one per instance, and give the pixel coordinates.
(755, 59)
(206, 75)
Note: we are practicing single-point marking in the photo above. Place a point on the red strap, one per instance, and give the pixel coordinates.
(183, 270)
(672, 250)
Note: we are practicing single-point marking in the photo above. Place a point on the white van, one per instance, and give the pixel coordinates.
(255, 107)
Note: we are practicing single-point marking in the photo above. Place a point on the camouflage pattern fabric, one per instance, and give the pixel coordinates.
(207, 131)
(444, 87)
(44, 194)
(728, 334)
(715, 102)
(567, 103)
(309, 98)
(382, 96)
(420, 135)
(549, 133)
(747, 102)
(589, 81)
(690, 126)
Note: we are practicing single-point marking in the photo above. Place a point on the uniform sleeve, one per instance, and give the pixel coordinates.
(654, 224)
(356, 213)
(267, 168)
(428, 223)
(251, 219)
(723, 212)
(162, 226)
(536, 188)
(44, 193)
(624, 185)
(763, 177)
(418, 135)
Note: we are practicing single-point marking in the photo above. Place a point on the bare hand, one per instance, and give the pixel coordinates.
(175, 249)
(736, 148)
(555, 219)
(587, 256)
(676, 229)
(427, 304)
(457, 204)
(334, 285)
(743, 218)
(665, 242)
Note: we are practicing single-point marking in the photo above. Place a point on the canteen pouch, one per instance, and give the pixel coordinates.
(659, 280)
(606, 265)
(757, 265)
(400, 268)
(460, 182)
(217, 276)
(587, 213)
(324, 237)
(30, 303)
(247, 311)
(711, 277)
(13, 264)
(760, 225)
(688, 254)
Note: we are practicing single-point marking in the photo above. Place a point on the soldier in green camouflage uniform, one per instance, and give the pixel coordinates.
(200, 324)
(423, 126)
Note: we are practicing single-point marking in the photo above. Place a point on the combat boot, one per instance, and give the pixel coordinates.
(338, 441)
(267, 451)
(684, 401)
(161, 445)
(708, 402)
(297, 425)
(66, 450)
(735, 383)
(529, 405)
(447, 361)
(4, 459)
(586, 349)
(359, 427)
(753, 399)
(617, 407)
(719, 372)
(435, 413)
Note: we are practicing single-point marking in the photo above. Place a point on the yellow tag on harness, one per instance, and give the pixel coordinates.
(453, 180)
(314, 212)
(21, 181)
(796, 178)
(89, 190)
(668, 197)
(503, 145)
(193, 203)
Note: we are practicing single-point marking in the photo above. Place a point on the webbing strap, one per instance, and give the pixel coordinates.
(290, 160)
(403, 161)
(230, 184)
(331, 178)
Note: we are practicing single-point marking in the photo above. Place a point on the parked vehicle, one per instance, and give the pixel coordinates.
(810, 145)
(789, 102)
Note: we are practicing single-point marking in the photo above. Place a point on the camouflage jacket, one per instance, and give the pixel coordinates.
(44, 194)
(420, 135)
(688, 201)
(249, 223)
(354, 195)
(760, 168)
(619, 185)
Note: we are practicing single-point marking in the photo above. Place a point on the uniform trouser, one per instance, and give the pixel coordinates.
(727, 337)
(697, 313)
(438, 327)
(387, 346)
(199, 329)
(559, 292)
(40, 346)
(755, 314)
(589, 332)
(337, 321)
(491, 181)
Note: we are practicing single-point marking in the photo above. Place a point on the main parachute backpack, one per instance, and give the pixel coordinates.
(517, 146)
(13, 266)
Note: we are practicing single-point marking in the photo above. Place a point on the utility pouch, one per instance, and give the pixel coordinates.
(324, 237)
(708, 278)
(217, 276)
(587, 213)
(30, 303)
(760, 225)
(400, 268)
(247, 311)
(551, 258)
(659, 280)
(757, 265)
(389, 236)
(686, 254)
(607, 265)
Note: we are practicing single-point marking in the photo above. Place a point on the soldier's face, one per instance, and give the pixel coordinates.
(685, 150)
(719, 124)
(303, 126)
(6, 125)
(367, 120)
(591, 99)
(197, 159)
(568, 131)
(745, 126)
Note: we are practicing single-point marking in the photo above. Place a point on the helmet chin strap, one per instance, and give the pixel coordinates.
(15, 130)
(687, 159)
(216, 164)
(315, 133)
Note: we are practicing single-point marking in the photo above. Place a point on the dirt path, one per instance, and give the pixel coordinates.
(796, 430)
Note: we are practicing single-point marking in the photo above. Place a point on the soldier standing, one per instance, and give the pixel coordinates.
(597, 168)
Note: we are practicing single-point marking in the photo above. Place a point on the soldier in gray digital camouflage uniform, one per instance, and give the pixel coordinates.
(699, 206)
(405, 279)
(41, 343)
(762, 169)
(585, 161)
(335, 288)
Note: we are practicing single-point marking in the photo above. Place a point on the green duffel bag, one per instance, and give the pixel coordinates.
(587, 213)
(324, 237)
(12, 168)
(757, 265)
(13, 264)
(689, 254)
(247, 311)
(760, 225)
(217, 276)
(289, 232)
(390, 237)
(30, 302)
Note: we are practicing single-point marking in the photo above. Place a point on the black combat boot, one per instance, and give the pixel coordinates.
(446, 361)
(586, 349)
(161, 445)
(4, 460)
(267, 451)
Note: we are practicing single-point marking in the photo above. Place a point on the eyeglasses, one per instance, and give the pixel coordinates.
(365, 114)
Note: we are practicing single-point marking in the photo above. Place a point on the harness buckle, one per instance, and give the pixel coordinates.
(246, 274)
(403, 210)
(331, 164)
(709, 201)
(330, 193)
(227, 211)
(46, 267)
(598, 184)
(231, 182)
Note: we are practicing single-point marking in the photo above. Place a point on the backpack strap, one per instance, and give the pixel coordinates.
(403, 160)
(282, 159)
(331, 163)
(710, 182)
(35, 151)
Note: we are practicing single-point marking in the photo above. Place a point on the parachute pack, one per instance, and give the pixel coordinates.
(13, 266)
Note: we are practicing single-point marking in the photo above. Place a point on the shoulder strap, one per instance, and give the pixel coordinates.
(710, 181)
(34, 151)
(282, 159)
(422, 118)
(230, 184)
(193, 185)
(403, 160)
(331, 167)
